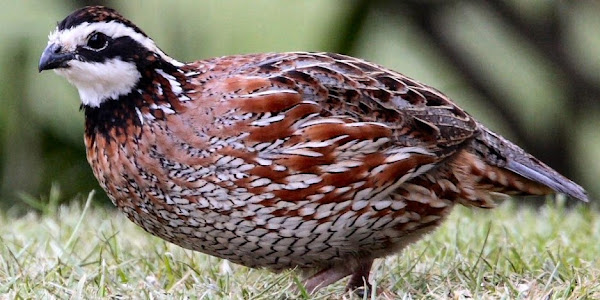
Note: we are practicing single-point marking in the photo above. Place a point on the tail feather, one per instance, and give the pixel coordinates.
(499, 152)
(549, 178)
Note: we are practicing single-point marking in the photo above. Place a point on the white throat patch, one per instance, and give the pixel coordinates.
(99, 82)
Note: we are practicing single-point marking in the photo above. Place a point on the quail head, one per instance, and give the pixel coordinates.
(316, 161)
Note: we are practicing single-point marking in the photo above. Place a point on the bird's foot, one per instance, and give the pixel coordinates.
(359, 282)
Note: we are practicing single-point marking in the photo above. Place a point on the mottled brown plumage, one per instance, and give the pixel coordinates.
(315, 161)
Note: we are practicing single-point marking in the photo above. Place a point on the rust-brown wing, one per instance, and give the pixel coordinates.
(330, 127)
(356, 91)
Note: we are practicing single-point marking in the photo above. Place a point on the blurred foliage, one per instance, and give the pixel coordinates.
(530, 70)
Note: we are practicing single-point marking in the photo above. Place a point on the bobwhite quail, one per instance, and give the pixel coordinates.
(316, 161)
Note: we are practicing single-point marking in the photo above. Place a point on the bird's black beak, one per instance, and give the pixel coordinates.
(53, 58)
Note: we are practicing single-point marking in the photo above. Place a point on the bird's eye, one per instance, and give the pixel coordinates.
(97, 41)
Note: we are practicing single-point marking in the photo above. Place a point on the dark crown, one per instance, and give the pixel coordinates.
(92, 14)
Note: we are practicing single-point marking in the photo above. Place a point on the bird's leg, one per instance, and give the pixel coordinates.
(326, 277)
(359, 282)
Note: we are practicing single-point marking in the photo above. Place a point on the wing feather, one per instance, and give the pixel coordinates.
(345, 121)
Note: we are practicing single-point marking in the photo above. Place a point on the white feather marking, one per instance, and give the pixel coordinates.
(360, 145)
(350, 163)
(169, 200)
(396, 157)
(209, 187)
(260, 182)
(246, 167)
(279, 168)
(379, 205)
(362, 220)
(139, 114)
(334, 169)
(342, 190)
(267, 121)
(303, 177)
(363, 194)
(223, 160)
(326, 189)
(310, 102)
(71, 38)
(166, 109)
(192, 73)
(324, 210)
(342, 166)
(268, 92)
(321, 144)
(303, 120)
(261, 146)
(236, 162)
(98, 82)
(358, 184)
(313, 180)
(368, 146)
(305, 211)
(175, 85)
(295, 186)
(263, 162)
(315, 197)
(360, 124)
(360, 204)
(301, 181)
(386, 191)
(223, 176)
(93, 83)
(301, 152)
(423, 169)
(417, 150)
(307, 64)
(322, 121)
(378, 169)
(398, 205)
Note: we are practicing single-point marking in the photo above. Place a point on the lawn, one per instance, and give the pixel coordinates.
(82, 251)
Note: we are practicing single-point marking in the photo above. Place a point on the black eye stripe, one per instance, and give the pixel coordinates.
(124, 48)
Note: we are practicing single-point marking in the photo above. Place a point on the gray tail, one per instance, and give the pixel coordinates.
(499, 152)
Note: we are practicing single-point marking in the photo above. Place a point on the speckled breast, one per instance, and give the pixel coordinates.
(245, 201)
(213, 210)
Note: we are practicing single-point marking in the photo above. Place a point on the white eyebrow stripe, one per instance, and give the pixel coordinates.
(72, 37)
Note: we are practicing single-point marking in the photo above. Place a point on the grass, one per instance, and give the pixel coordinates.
(75, 251)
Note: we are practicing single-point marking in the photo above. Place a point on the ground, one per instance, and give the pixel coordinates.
(86, 251)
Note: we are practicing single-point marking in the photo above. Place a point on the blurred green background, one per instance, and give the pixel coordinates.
(529, 70)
